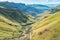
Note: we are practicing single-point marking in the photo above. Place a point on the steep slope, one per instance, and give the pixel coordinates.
(8, 29)
(16, 15)
(12, 23)
(47, 29)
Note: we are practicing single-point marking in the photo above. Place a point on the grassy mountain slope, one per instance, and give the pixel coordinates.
(11, 21)
(15, 15)
(47, 29)
(8, 29)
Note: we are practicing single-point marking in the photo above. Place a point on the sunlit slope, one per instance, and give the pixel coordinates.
(8, 22)
(47, 29)
(8, 29)
(45, 21)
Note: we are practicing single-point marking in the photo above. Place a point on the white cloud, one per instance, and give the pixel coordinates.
(35, 1)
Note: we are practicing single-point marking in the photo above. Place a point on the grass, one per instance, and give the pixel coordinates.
(9, 29)
(47, 29)
(12, 23)
(45, 21)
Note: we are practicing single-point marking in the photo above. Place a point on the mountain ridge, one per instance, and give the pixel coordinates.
(28, 9)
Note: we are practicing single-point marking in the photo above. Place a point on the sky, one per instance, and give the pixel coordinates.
(35, 1)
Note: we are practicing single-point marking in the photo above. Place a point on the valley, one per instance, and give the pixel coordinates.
(29, 22)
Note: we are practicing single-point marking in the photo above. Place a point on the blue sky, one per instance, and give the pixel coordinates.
(35, 1)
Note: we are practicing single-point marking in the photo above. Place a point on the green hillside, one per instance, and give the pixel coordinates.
(15, 23)
(47, 29)
(14, 14)
(9, 29)
(12, 22)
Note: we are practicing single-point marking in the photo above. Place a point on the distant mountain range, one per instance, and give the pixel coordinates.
(32, 9)
(39, 6)
(52, 5)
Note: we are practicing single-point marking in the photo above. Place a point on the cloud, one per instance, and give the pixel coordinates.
(35, 1)
(53, 0)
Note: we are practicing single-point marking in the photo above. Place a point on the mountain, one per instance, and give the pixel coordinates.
(52, 5)
(55, 9)
(48, 12)
(15, 14)
(38, 8)
(12, 23)
(41, 8)
(47, 29)
(17, 20)
(8, 29)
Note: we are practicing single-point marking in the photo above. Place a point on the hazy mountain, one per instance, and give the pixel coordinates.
(39, 6)
(31, 9)
(52, 5)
